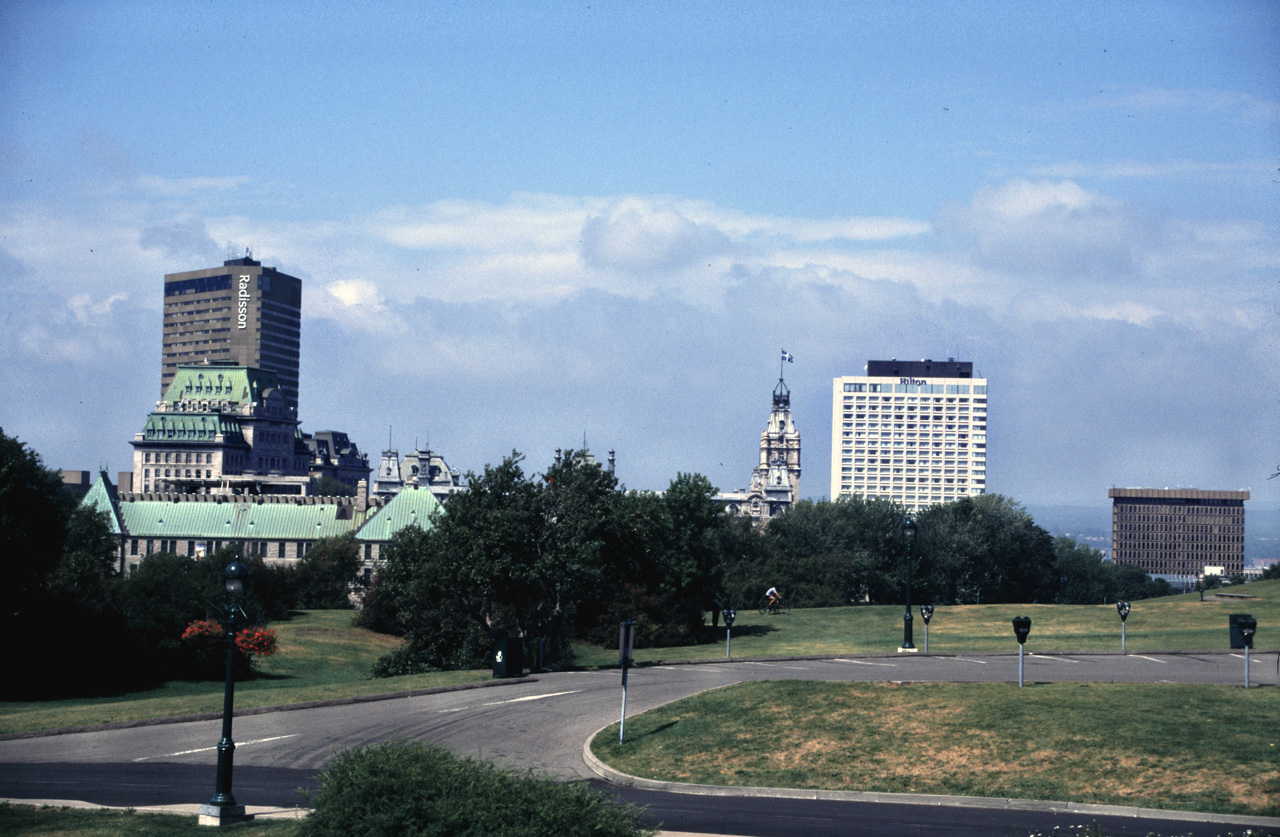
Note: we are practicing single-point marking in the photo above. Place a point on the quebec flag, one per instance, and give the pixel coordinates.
(787, 357)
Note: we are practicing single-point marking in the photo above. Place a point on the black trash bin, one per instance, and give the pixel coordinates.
(1233, 627)
(508, 657)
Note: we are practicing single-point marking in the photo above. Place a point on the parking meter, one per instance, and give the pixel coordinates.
(729, 616)
(1248, 627)
(1021, 628)
(926, 613)
(1123, 608)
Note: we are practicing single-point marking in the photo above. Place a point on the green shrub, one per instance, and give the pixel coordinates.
(411, 790)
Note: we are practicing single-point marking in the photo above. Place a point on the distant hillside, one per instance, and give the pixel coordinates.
(1091, 525)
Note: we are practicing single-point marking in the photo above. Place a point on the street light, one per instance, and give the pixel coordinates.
(909, 532)
(222, 808)
(1123, 608)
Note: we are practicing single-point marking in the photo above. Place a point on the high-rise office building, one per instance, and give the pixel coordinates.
(240, 314)
(914, 432)
(1179, 534)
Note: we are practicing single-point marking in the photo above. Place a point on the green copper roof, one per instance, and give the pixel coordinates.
(102, 496)
(238, 520)
(412, 506)
(191, 427)
(236, 384)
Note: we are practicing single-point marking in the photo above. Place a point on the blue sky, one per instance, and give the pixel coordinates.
(519, 223)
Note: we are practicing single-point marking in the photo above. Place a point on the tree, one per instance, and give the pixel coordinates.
(327, 571)
(33, 521)
(984, 548)
(1083, 577)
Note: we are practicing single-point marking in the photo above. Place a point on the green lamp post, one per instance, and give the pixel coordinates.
(909, 532)
(222, 809)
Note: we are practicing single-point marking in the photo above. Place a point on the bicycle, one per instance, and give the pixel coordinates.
(774, 606)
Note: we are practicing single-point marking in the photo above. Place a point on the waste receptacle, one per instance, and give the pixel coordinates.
(508, 657)
(1233, 627)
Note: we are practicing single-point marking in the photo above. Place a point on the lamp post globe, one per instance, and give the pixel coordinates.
(908, 534)
(234, 577)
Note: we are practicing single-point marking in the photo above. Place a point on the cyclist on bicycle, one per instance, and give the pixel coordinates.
(774, 597)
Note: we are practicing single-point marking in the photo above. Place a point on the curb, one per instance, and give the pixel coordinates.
(617, 777)
(264, 710)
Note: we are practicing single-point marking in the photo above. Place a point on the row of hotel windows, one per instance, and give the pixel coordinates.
(250, 549)
(177, 474)
(1222, 515)
(1171, 540)
(899, 434)
(1130, 529)
(181, 433)
(927, 389)
(964, 472)
(200, 353)
(918, 446)
(177, 457)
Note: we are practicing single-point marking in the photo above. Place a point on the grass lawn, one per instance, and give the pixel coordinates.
(320, 656)
(1175, 623)
(27, 821)
(1199, 748)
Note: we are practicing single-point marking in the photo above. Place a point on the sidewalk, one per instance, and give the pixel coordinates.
(257, 811)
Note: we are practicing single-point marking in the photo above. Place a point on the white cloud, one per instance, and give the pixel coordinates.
(636, 236)
(1054, 230)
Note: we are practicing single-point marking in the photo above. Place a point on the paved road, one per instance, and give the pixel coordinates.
(540, 725)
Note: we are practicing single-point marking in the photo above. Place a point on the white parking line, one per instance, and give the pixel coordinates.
(1152, 659)
(1054, 658)
(207, 749)
(865, 663)
(967, 660)
(777, 665)
(531, 697)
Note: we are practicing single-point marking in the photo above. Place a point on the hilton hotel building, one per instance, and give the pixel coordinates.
(914, 432)
(240, 314)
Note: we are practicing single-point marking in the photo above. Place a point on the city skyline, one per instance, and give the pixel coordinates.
(515, 227)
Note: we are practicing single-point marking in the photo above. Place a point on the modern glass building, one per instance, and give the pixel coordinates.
(910, 431)
(240, 314)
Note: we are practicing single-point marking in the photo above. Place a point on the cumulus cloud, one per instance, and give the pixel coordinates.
(1048, 229)
(638, 237)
